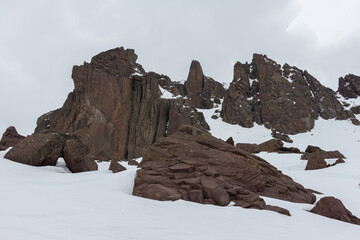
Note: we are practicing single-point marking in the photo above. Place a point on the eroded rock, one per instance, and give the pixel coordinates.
(10, 138)
(264, 90)
(192, 165)
(117, 108)
(333, 208)
(116, 167)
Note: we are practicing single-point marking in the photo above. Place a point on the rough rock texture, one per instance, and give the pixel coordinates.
(202, 91)
(264, 90)
(324, 154)
(349, 86)
(116, 167)
(192, 165)
(40, 149)
(316, 161)
(44, 149)
(311, 149)
(230, 141)
(76, 157)
(281, 136)
(117, 108)
(272, 145)
(10, 138)
(333, 208)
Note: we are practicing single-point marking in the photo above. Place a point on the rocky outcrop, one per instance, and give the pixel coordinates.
(333, 208)
(264, 90)
(116, 167)
(349, 86)
(45, 148)
(192, 165)
(117, 108)
(203, 91)
(10, 138)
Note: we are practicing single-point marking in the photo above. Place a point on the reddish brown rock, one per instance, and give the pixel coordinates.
(230, 141)
(117, 108)
(264, 90)
(272, 145)
(315, 161)
(133, 162)
(248, 147)
(40, 149)
(349, 86)
(311, 149)
(46, 147)
(333, 208)
(325, 154)
(202, 91)
(10, 138)
(116, 167)
(192, 165)
(76, 157)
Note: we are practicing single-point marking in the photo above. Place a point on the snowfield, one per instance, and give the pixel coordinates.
(46, 203)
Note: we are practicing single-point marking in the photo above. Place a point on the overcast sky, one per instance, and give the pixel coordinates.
(40, 41)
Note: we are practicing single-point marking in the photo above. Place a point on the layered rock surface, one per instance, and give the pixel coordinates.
(117, 108)
(283, 98)
(192, 165)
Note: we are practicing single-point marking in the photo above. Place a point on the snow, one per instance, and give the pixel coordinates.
(166, 94)
(42, 203)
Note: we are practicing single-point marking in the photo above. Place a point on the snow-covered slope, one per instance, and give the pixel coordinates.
(51, 203)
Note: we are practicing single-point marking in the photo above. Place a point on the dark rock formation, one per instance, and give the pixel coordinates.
(202, 91)
(45, 148)
(324, 154)
(116, 167)
(117, 109)
(10, 138)
(192, 165)
(281, 136)
(40, 149)
(333, 208)
(272, 145)
(230, 141)
(76, 157)
(315, 161)
(263, 90)
(311, 149)
(349, 86)
(132, 162)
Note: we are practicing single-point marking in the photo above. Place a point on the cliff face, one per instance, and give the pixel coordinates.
(283, 98)
(117, 108)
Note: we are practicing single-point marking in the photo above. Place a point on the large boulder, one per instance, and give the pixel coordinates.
(316, 161)
(192, 165)
(76, 156)
(40, 149)
(46, 147)
(10, 138)
(203, 91)
(264, 90)
(333, 208)
(116, 167)
(117, 108)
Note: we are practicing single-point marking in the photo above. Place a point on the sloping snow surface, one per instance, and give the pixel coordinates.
(51, 203)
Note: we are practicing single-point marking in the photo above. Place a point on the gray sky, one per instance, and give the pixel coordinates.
(40, 41)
